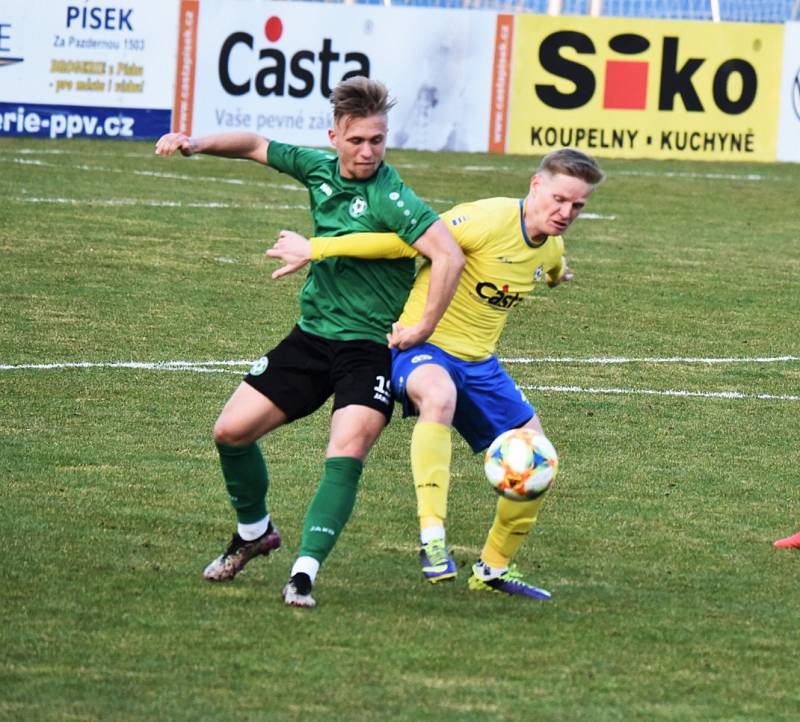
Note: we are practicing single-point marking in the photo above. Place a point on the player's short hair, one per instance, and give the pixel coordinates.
(572, 162)
(360, 97)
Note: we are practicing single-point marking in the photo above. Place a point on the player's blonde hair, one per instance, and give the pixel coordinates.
(360, 97)
(572, 162)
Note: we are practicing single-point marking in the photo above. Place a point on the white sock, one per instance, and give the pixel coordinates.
(430, 533)
(306, 565)
(248, 532)
(485, 572)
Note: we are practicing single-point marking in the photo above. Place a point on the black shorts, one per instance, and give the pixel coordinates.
(301, 373)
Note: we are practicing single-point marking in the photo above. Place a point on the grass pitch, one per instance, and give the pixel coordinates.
(666, 374)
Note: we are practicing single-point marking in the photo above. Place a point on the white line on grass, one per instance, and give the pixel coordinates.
(475, 168)
(595, 361)
(48, 151)
(637, 173)
(603, 361)
(655, 392)
(146, 365)
(26, 161)
(123, 202)
(688, 174)
(595, 217)
(750, 177)
(150, 203)
(160, 174)
(219, 367)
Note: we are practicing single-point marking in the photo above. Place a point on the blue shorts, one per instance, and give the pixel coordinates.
(488, 403)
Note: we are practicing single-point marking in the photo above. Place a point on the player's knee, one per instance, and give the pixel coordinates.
(221, 434)
(354, 448)
(354, 444)
(227, 433)
(435, 403)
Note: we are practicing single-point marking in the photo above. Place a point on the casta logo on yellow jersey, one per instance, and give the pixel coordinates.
(495, 296)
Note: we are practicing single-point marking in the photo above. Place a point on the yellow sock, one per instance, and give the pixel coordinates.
(512, 522)
(430, 522)
(430, 465)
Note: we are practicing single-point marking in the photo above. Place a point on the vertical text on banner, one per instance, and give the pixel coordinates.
(188, 17)
(501, 77)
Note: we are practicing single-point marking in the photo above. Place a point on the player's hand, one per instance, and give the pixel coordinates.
(403, 338)
(293, 249)
(169, 143)
(565, 277)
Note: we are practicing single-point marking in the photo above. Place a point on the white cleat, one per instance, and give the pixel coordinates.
(297, 592)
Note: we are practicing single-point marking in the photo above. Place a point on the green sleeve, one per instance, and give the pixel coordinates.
(295, 161)
(361, 245)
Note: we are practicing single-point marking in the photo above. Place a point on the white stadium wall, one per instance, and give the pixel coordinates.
(464, 79)
(269, 67)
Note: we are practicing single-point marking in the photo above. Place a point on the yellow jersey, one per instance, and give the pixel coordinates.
(502, 266)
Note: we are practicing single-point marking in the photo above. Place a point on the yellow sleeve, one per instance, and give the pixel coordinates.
(361, 245)
(556, 271)
(554, 274)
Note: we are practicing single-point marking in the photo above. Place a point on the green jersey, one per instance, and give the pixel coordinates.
(349, 298)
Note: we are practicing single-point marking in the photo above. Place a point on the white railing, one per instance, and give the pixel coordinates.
(774, 11)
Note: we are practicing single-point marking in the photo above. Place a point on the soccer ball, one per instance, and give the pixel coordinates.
(521, 464)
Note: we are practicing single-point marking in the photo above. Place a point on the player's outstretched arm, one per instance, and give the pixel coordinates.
(296, 250)
(447, 262)
(361, 245)
(249, 146)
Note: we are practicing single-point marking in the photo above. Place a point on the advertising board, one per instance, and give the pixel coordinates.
(789, 125)
(464, 79)
(269, 67)
(634, 88)
(73, 69)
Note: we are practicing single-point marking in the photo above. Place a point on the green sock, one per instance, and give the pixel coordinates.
(331, 507)
(245, 473)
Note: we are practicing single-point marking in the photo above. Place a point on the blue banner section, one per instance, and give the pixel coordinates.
(75, 121)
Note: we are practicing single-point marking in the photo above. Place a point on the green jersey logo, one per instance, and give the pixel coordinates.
(357, 207)
(259, 367)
